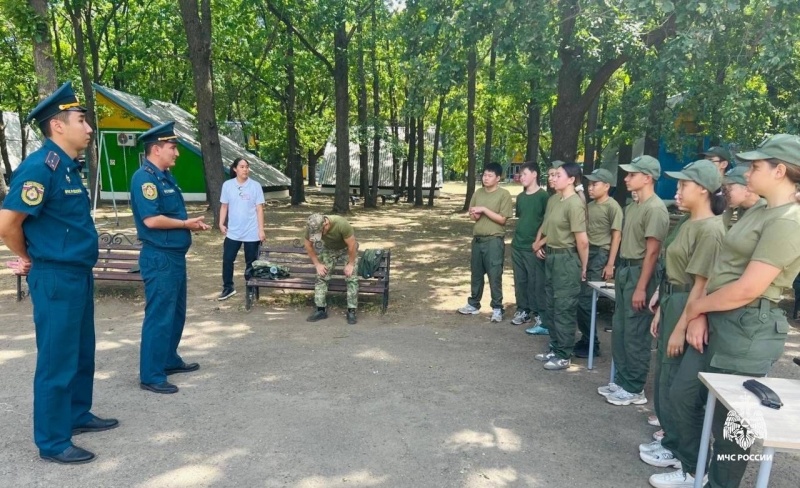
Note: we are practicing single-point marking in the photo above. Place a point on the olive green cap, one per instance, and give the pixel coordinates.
(603, 175)
(557, 163)
(785, 147)
(644, 164)
(702, 172)
(736, 175)
(719, 152)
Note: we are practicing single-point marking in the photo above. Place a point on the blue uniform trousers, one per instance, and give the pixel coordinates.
(164, 275)
(63, 312)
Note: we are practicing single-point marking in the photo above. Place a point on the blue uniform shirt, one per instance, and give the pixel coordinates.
(59, 229)
(155, 192)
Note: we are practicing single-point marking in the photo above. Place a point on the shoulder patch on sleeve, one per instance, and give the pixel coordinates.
(52, 160)
(149, 191)
(32, 192)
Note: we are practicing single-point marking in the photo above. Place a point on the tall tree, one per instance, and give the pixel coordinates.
(43, 64)
(197, 23)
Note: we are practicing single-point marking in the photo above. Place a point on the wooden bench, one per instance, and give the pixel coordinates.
(303, 275)
(118, 260)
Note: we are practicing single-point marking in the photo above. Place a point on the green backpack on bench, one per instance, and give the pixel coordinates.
(369, 263)
(267, 270)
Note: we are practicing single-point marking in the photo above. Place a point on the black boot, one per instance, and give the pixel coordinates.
(320, 314)
(351, 316)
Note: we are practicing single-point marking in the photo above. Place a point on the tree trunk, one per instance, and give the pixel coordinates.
(295, 165)
(197, 24)
(420, 162)
(341, 200)
(625, 157)
(313, 157)
(43, 65)
(534, 123)
(5, 158)
(658, 103)
(376, 112)
(363, 155)
(487, 146)
(472, 68)
(412, 153)
(90, 155)
(435, 155)
(589, 138)
(395, 131)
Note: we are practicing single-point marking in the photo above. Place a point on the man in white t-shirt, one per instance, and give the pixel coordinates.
(242, 202)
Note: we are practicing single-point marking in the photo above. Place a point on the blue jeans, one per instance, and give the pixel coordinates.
(230, 249)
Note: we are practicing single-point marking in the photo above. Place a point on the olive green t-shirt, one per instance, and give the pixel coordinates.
(339, 230)
(767, 235)
(498, 201)
(643, 220)
(694, 250)
(603, 218)
(530, 210)
(567, 217)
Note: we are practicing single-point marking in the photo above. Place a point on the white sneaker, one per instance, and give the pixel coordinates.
(536, 320)
(653, 420)
(673, 479)
(468, 310)
(650, 446)
(555, 364)
(661, 458)
(622, 397)
(545, 356)
(658, 435)
(608, 389)
(497, 315)
(521, 317)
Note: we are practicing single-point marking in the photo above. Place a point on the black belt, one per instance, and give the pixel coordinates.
(762, 302)
(559, 250)
(670, 288)
(486, 238)
(630, 262)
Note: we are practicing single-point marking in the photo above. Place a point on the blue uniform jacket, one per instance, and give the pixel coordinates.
(59, 229)
(155, 192)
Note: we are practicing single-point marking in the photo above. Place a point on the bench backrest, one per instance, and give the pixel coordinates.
(117, 252)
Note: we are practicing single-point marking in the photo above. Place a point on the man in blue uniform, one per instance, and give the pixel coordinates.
(165, 231)
(46, 222)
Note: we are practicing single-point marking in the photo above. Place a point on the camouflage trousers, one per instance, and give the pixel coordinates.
(329, 259)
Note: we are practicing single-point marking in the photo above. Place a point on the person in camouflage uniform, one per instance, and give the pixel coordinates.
(329, 239)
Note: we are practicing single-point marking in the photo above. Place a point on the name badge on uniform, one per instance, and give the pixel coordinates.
(168, 191)
(73, 191)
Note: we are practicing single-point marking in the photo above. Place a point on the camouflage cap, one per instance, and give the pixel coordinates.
(736, 175)
(603, 175)
(719, 152)
(644, 164)
(702, 172)
(314, 224)
(557, 163)
(785, 147)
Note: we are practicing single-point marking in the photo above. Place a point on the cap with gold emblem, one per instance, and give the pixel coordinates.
(160, 133)
(61, 100)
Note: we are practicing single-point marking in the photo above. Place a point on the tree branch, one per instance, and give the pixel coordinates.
(300, 36)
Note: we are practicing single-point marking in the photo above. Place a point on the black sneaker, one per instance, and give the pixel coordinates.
(351, 316)
(319, 314)
(226, 294)
(582, 350)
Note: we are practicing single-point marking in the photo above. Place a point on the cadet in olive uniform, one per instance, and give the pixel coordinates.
(529, 273)
(165, 231)
(328, 239)
(46, 221)
(739, 198)
(689, 261)
(541, 327)
(566, 254)
(604, 230)
(490, 208)
(740, 318)
(645, 227)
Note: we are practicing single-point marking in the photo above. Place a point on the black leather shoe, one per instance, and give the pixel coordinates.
(96, 425)
(351, 317)
(183, 368)
(165, 387)
(318, 315)
(71, 455)
(582, 351)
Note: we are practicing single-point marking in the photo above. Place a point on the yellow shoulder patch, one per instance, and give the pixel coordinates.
(32, 193)
(149, 191)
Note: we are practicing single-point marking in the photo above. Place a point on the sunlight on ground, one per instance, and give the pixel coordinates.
(11, 354)
(492, 477)
(376, 354)
(107, 345)
(502, 439)
(187, 476)
(356, 478)
(166, 437)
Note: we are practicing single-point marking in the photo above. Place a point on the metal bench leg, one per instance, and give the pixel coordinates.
(385, 301)
(19, 288)
(248, 300)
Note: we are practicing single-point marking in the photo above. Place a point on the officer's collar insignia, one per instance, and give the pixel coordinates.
(149, 191)
(149, 170)
(32, 193)
(52, 160)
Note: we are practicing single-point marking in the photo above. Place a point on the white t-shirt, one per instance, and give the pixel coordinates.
(242, 201)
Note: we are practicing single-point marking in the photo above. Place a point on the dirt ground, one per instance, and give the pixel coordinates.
(418, 397)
